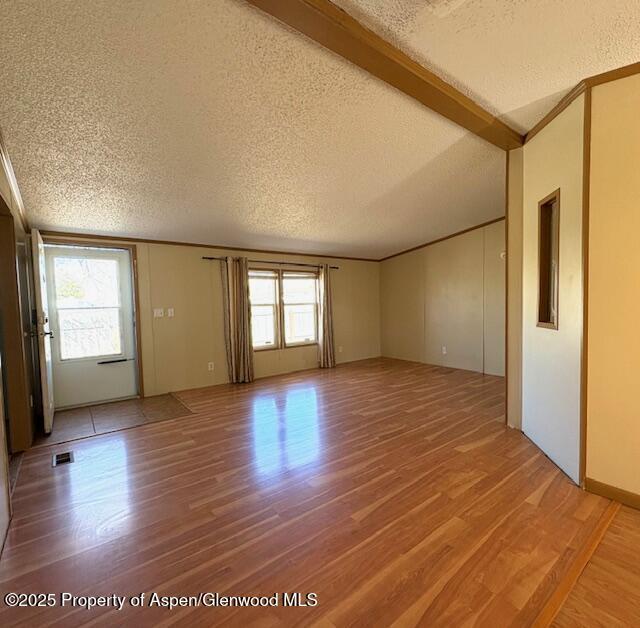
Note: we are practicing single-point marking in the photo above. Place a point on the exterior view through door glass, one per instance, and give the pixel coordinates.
(92, 315)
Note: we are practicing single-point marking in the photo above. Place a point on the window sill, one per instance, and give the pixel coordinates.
(295, 346)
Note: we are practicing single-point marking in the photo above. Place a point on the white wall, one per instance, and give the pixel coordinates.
(552, 358)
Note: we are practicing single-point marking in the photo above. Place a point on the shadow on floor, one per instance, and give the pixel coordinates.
(109, 417)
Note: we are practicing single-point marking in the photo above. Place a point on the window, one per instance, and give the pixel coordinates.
(548, 260)
(263, 292)
(300, 308)
(284, 308)
(87, 297)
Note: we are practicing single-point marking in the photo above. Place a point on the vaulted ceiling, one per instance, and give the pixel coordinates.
(515, 58)
(212, 122)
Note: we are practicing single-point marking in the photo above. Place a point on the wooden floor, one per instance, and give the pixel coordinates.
(608, 591)
(391, 490)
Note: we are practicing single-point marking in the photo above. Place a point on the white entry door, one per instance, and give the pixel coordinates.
(43, 329)
(93, 320)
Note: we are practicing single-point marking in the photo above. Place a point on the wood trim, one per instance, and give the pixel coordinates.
(15, 366)
(558, 109)
(136, 304)
(109, 238)
(334, 29)
(136, 295)
(613, 75)
(583, 86)
(5, 162)
(553, 197)
(63, 236)
(506, 292)
(583, 555)
(612, 492)
(584, 350)
(452, 235)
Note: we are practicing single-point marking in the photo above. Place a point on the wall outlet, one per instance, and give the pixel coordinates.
(444, 350)
(158, 312)
(210, 366)
(170, 312)
(340, 349)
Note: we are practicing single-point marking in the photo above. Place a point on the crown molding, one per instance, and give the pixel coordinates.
(584, 85)
(447, 237)
(70, 235)
(5, 162)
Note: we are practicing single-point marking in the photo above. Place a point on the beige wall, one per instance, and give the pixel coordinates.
(514, 281)
(402, 300)
(176, 351)
(449, 294)
(552, 357)
(453, 302)
(613, 405)
(494, 299)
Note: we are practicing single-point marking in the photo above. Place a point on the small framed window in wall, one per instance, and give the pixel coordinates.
(548, 260)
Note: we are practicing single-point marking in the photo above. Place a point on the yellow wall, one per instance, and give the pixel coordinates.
(613, 404)
(551, 362)
(176, 351)
(449, 294)
(514, 281)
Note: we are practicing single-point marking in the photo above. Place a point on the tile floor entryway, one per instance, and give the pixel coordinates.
(110, 417)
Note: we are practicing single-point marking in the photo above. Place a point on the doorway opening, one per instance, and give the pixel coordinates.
(90, 294)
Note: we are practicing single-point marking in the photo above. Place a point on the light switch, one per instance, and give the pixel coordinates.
(158, 312)
(170, 312)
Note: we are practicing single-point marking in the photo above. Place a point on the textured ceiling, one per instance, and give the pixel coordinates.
(516, 58)
(211, 122)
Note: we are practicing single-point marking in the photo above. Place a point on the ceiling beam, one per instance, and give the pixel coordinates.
(331, 27)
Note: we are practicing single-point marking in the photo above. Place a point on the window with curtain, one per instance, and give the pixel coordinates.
(284, 308)
(263, 294)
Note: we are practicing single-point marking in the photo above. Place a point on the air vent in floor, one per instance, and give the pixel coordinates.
(63, 458)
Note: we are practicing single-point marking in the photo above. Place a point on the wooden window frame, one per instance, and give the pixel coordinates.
(276, 311)
(290, 345)
(549, 200)
(279, 308)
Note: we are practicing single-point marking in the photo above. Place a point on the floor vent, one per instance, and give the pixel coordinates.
(63, 458)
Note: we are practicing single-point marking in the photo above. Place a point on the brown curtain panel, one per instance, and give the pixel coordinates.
(237, 319)
(325, 326)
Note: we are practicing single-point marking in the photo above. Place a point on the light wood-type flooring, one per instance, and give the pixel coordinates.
(607, 593)
(391, 490)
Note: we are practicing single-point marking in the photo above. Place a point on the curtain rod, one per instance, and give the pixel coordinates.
(266, 261)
